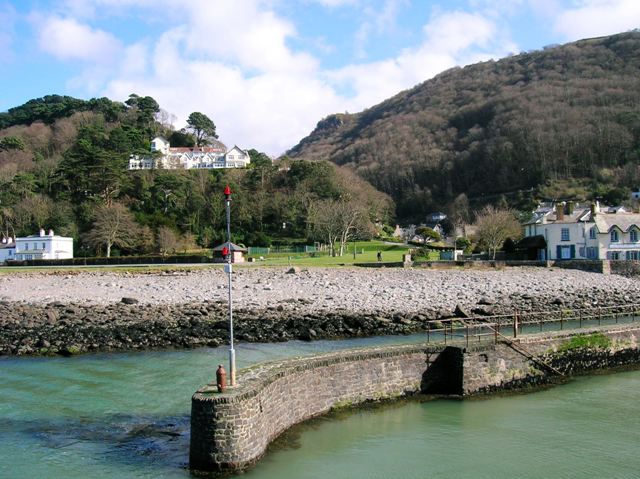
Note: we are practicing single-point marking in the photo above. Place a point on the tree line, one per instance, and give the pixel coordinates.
(518, 126)
(65, 167)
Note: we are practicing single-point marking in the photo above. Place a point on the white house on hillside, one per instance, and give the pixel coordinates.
(7, 249)
(43, 246)
(211, 156)
(574, 231)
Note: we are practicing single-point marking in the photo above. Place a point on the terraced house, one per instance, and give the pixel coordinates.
(165, 156)
(574, 231)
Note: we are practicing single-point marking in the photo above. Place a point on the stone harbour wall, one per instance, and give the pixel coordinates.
(231, 430)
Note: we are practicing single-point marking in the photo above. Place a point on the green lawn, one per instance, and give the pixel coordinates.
(366, 252)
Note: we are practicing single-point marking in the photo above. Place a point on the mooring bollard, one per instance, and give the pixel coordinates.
(221, 379)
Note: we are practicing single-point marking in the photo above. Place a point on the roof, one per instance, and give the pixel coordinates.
(605, 222)
(7, 245)
(233, 247)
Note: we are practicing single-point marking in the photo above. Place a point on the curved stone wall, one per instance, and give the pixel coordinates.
(233, 429)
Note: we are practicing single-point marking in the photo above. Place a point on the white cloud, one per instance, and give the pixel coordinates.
(232, 60)
(67, 39)
(336, 3)
(590, 18)
(270, 110)
(450, 39)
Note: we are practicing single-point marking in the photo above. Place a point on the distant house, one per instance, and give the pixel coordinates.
(43, 246)
(575, 231)
(436, 217)
(237, 252)
(635, 194)
(7, 249)
(213, 156)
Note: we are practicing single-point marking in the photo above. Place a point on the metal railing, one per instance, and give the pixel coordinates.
(489, 329)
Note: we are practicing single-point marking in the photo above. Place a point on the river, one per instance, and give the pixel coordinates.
(127, 415)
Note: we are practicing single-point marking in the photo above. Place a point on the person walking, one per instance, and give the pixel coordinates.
(379, 256)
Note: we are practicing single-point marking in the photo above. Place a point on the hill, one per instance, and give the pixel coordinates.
(564, 120)
(63, 165)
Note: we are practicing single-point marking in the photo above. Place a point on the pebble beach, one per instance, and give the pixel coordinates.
(68, 313)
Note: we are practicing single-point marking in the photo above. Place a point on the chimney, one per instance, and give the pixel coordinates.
(559, 211)
(41, 232)
(4, 240)
(570, 206)
(50, 232)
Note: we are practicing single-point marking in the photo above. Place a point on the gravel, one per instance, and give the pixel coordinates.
(313, 289)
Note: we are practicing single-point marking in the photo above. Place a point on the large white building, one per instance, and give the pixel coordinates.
(574, 231)
(164, 156)
(43, 246)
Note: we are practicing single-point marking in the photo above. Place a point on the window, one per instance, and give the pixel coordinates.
(592, 252)
(564, 234)
(592, 233)
(633, 255)
(633, 235)
(44, 246)
(614, 236)
(615, 255)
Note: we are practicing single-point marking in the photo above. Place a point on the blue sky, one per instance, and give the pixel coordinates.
(266, 71)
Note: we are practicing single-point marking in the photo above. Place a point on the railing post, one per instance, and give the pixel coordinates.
(445, 333)
(428, 331)
(599, 316)
(467, 335)
(515, 324)
(580, 318)
(561, 318)
(495, 333)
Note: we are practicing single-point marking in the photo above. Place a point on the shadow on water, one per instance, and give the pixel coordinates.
(119, 439)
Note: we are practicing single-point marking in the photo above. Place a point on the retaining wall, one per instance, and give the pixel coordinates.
(232, 430)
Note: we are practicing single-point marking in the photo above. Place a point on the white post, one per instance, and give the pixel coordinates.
(228, 269)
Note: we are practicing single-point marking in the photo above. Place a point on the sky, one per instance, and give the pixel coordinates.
(266, 71)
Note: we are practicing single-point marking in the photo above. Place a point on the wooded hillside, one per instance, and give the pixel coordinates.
(63, 165)
(561, 121)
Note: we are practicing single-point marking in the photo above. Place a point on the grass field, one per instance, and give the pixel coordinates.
(366, 252)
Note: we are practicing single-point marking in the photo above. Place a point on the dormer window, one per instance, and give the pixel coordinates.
(614, 236)
(633, 235)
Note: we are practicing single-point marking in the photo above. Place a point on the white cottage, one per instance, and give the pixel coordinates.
(7, 249)
(574, 231)
(44, 246)
(212, 156)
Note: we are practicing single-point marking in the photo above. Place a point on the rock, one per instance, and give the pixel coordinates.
(129, 301)
(486, 301)
(293, 270)
(461, 312)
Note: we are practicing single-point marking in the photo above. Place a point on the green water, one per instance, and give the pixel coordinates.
(127, 415)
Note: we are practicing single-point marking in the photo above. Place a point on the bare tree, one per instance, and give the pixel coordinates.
(7, 223)
(494, 226)
(168, 241)
(113, 225)
(336, 221)
(33, 210)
